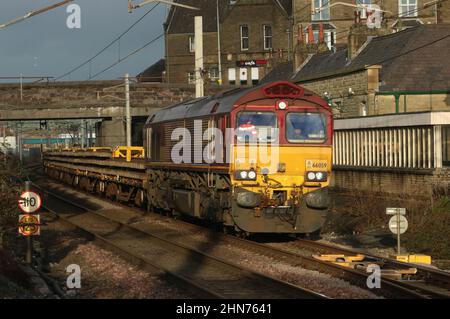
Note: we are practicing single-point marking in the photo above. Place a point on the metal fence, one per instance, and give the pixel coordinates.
(394, 147)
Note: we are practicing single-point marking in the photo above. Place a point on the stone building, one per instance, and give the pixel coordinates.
(254, 34)
(338, 15)
(395, 73)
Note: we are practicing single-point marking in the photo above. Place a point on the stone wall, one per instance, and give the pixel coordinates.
(90, 93)
(337, 88)
(180, 61)
(255, 14)
(342, 17)
(394, 182)
(90, 99)
(412, 103)
(444, 12)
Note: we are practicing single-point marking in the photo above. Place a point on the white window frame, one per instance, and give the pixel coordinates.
(243, 76)
(191, 43)
(255, 75)
(324, 14)
(363, 10)
(265, 36)
(247, 37)
(410, 6)
(213, 73)
(191, 77)
(327, 37)
(232, 76)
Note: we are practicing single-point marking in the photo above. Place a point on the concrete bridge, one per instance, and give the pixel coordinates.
(90, 100)
(83, 100)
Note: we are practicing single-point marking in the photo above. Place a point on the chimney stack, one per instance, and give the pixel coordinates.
(359, 34)
(304, 49)
(321, 34)
(310, 35)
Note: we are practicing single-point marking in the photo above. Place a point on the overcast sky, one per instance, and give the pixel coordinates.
(44, 46)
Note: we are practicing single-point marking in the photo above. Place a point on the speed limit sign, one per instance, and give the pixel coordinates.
(30, 202)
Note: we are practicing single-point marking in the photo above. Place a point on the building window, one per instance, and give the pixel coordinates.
(366, 4)
(243, 76)
(232, 76)
(329, 37)
(191, 43)
(244, 37)
(446, 145)
(214, 73)
(267, 31)
(191, 77)
(320, 10)
(407, 8)
(255, 76)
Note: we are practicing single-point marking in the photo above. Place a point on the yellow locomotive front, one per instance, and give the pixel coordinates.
(281, 162)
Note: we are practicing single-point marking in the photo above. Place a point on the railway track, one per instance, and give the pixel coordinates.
(428, 283)
(210, 276)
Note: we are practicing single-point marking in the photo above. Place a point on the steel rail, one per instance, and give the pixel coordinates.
(272, 285)
(390, 288)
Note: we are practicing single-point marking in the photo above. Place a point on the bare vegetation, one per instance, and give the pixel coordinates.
(430, 234)
(428, 218)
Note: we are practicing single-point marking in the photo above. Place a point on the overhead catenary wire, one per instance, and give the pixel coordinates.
(108, 46)
(126, 57)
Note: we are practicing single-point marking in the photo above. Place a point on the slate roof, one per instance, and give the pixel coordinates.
(153, 73)
(279, 72)
(181, 20)
(413, 59)
(418, 60)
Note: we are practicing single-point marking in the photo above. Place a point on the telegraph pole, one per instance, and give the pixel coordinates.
(219, 55)
(199, 85)
(83, 133)
(127, 108)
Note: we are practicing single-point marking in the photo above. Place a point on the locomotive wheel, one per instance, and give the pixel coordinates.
(139, 198)
(84, 183)
(111, 191)
(227, 230)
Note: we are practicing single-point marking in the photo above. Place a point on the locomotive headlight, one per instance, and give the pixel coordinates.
(311, 176)
(319, 176)
(249, 175)
(282, 105)
(316, 176)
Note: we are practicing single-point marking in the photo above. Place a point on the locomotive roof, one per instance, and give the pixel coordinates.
(225, 102)
(199, 107)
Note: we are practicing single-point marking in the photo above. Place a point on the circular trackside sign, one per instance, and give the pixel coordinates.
(30, 202)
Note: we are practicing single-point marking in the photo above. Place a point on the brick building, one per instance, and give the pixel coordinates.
(251, 31)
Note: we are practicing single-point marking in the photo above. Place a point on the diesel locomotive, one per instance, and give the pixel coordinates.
(253, 160)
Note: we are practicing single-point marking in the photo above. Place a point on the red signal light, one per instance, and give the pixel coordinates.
(283, 89)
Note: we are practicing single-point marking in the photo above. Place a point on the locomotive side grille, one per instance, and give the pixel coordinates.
(167, 143)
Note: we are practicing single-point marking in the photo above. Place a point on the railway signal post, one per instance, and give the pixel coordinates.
(398, 224)
(29, 222)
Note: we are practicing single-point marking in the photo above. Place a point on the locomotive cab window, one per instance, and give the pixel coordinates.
(305, 127)
(256, 127)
